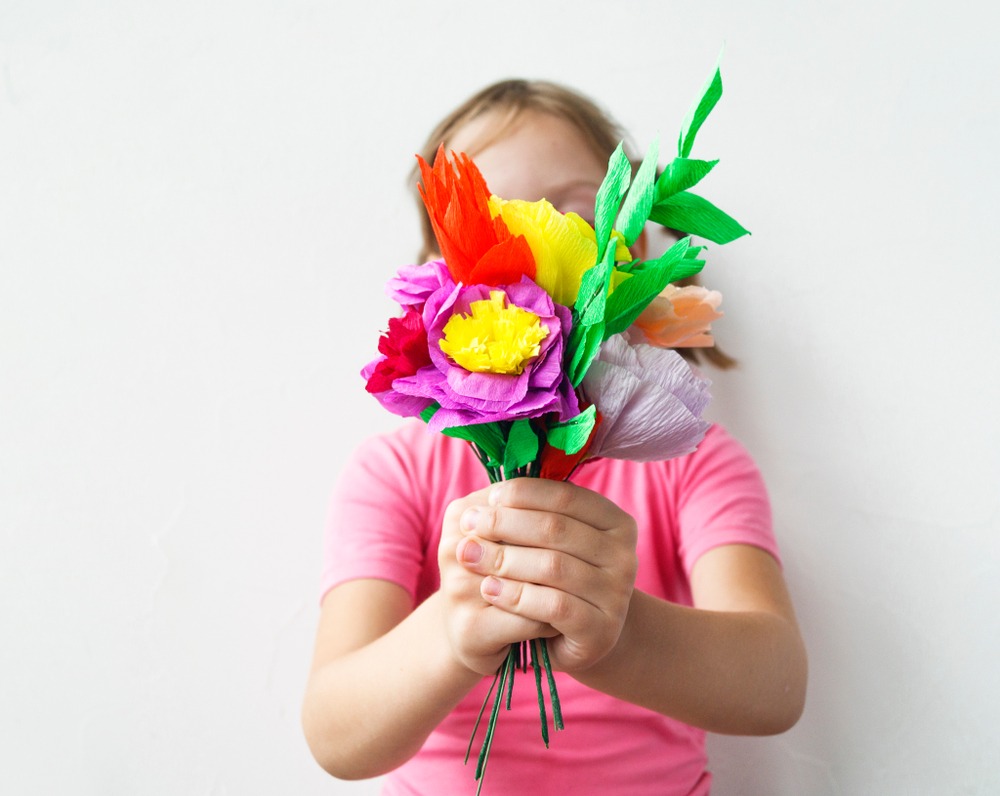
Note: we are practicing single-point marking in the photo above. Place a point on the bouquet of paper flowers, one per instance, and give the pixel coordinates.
(542, 342)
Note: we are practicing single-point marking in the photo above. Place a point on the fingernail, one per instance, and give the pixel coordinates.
(492, 587)
(469, 517)
(471, 552)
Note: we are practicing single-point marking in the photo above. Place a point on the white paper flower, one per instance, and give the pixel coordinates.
(650, 402)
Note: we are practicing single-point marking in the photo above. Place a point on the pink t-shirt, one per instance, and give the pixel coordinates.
(385, 523)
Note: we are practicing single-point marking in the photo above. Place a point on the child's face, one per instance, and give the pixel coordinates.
(540, 156)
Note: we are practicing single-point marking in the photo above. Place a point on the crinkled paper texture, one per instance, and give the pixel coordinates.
(466, 397)
(650, 401)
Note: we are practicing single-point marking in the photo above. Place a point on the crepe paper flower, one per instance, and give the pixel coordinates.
(403, 350)
(478, 248)
(681, 317)
(496, 337)
(414, 283)
(650, 401)
(494, 391)
(563, 246)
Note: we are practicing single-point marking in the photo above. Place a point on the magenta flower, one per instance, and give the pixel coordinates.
(650, 402)
(413, 284)
(538, 386)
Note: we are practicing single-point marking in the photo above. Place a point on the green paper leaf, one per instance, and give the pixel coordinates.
(588, 318)
(486, 436)
(639, 200)
(609, 197)
(710, 95)
(694, 215)
(571, 436)
(633, 295)
(589, 306)
(681, 174)
(588, 342)
(521, 448)
(429, 412)
(689, 266)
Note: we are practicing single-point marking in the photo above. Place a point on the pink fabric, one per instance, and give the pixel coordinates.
(385, 523)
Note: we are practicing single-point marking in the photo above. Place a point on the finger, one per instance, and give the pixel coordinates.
(454, 510)
(496, 627)
(545, 567)
(567, 614)
(560, 497)
(541, 530)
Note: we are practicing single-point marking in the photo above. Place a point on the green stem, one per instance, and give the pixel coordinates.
(541, 696)
(553, 694)
(482, 709)
(506, 673)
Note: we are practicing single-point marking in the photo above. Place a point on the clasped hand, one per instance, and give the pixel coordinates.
(535, 558)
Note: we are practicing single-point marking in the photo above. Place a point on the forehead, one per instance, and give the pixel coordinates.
(533, 156)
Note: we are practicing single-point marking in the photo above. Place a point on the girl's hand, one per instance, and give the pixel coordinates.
(479, 633)
(555, 555)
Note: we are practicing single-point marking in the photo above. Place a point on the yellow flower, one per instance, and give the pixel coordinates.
(564, 246)
(493, 338)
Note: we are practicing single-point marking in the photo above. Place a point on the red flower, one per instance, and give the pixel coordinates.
(404, 351)
(478, 248)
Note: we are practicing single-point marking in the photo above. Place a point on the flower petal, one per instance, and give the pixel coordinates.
(650, 402)
(681, 317)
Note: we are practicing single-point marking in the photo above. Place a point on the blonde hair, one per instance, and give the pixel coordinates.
(511, 98)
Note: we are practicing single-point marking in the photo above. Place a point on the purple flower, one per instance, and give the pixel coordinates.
(468, 397)
(650, 402)
(413, 284)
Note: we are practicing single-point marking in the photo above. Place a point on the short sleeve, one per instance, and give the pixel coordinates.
(376, 525)
(722, 500)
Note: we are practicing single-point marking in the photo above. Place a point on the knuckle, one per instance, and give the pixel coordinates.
(552, 566)
(630, 531)
(551, 527)
(563, 498)
(622, 595)
(511, 595)
(500, 560)
(486, 522)
(513, 491)
(560, 608)
(630, 565)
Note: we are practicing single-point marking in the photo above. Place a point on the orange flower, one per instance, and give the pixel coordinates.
(681, 317)
(478, 249)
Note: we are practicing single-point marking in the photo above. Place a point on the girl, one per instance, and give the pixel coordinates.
(657, 585)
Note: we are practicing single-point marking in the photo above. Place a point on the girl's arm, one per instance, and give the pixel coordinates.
(384, 674)
(382, 678)
(733, 664)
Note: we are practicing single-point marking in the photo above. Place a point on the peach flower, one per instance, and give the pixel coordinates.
(681, 317)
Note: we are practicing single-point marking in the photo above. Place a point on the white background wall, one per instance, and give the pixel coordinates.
(199, 204)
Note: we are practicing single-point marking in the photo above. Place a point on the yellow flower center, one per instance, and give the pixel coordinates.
(494, 337)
